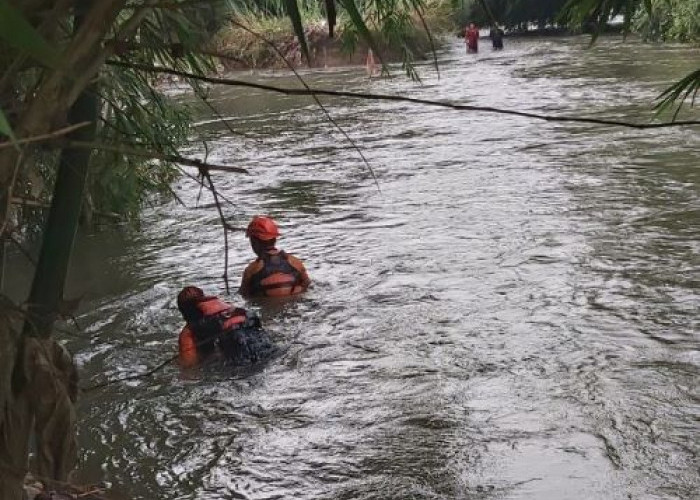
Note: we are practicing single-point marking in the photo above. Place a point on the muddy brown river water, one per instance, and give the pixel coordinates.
(514, 315)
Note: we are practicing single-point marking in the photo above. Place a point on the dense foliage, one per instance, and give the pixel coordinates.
(509, 13)
(400, 30)
(669, 20)
(653, 19)
(134, 110)
(175, 34)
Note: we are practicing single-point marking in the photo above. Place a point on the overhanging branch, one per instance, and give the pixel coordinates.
(190, 162)
(396, 98)
(44, 137)
(318, 102)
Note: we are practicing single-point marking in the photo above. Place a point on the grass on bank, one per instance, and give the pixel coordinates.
(400, 35)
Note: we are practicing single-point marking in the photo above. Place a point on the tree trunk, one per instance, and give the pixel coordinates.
(10, 479)
(62, 223)
(3, 259)
(45, 108)
(44, 407)
(38, 380)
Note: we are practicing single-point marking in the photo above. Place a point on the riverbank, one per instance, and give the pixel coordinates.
(271, 43)
(239, 49)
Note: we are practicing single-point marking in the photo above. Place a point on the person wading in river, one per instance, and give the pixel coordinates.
(274, 273)
(370, 65)
(471, 37)
(496, 35)
(216, 328)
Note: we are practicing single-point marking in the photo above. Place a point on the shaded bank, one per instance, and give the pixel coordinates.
(249, 46)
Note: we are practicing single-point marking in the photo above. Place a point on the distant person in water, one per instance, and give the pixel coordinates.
(217, 329)
(496, 35)
(370, 64)
(274, 273)
(471, 38)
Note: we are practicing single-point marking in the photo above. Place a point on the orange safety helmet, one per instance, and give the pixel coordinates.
(262, 228)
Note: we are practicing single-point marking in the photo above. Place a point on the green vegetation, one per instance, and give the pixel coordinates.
(399, 30)
(653, 19)
(243, 39)
(602, 11)
(666, 20)
(512, 14)
(134, 113)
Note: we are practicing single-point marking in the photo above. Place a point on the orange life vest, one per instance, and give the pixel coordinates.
(215, 318)
(277, 272)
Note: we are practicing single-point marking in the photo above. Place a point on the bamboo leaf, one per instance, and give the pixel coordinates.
(432, 42)
(17, 32)
(679, 92)
(361, 27)
(293, 12)
(5, 127)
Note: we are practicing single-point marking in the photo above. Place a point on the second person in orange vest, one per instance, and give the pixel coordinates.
(217, 329)
(274, 273)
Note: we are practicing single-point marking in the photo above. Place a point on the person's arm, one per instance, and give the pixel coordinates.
(187, 346)
(305, 281)
(244, 288)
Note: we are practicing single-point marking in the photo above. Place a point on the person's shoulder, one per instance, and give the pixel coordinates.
(253, 266)
(294, 260)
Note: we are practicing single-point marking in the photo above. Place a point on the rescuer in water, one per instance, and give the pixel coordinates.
(471, 37)
(496, 35)
(274, 273)
(216, 328)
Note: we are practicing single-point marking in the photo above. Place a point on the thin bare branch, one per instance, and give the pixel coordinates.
(135, 376)
(397, 98)
(190, 162)
(200, 182)
(29, 202)
(219, 116)
(176, 196)
(224, 224)
(199, 194)
(44, 137)
(430, 39)
(318, 102)
(174, 5)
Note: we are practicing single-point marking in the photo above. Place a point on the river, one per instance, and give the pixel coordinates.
(513, 316)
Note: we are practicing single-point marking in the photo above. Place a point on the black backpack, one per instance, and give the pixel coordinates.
(211, 335)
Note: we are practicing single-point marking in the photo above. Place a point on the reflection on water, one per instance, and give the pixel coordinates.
(513, 316)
